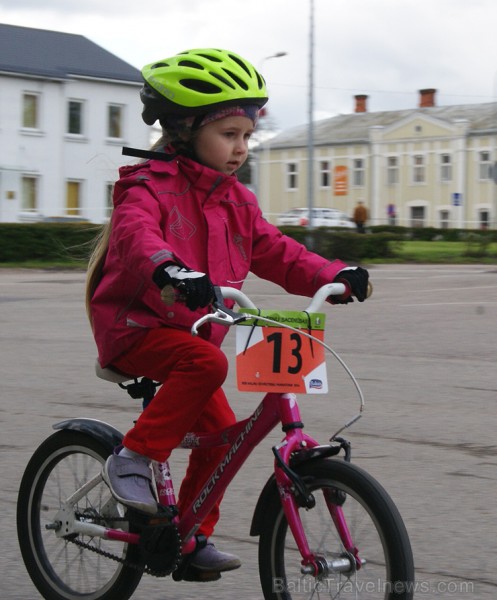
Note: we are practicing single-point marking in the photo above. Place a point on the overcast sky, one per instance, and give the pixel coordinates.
(387, 49)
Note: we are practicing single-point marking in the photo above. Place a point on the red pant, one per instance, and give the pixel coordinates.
(190, 399)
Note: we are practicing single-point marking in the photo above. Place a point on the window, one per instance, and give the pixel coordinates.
(392, 170)
(75, 117)
(417, 216)
(484, 218)
(445, 167)
(485, 165)
(114, 127)
(73, 197)
(109, 189)
(29, 194)
(30, 111)
(418, 174)
(325, 174)
(358, 172)
(444, 219)
(291, 176)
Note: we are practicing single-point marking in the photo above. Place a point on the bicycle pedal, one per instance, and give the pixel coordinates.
(194, 574)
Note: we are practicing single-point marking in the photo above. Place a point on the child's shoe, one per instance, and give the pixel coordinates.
(210, 558)
(130, 481)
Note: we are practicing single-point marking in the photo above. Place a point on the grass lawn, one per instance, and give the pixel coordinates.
(440, 252)
(443, 252)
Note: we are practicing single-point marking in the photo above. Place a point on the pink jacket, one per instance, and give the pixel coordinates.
(184, 212)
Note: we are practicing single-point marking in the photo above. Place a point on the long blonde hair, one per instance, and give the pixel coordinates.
(96, 264)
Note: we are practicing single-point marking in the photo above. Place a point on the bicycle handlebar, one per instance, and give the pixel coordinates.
(222, 315)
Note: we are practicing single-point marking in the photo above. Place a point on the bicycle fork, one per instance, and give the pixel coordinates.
(294, 495)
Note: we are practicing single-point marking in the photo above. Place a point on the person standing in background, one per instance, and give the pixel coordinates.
(392, 214)
(360, 216)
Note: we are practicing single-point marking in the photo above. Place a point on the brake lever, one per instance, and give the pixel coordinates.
(222, 315)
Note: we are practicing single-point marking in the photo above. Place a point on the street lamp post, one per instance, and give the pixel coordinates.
(275, 55)
(310, 130)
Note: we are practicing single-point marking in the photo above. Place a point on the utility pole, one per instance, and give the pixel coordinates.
(310, 131)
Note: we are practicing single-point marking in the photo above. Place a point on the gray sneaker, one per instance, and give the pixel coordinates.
(210, 558)
(129, 480)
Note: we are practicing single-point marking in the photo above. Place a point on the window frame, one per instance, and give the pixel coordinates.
(74, 210)
(111, 124)
(446, 168)
(393, 171)
(109, 205)
(34, 193)
(484, 165)
(325, 174)
(25, 109)
(292, 176)
(358, 172)
(81, 105)
(418, 169)
(415, 221)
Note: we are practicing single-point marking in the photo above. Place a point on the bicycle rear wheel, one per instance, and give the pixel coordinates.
(60, 568)
(377, 531)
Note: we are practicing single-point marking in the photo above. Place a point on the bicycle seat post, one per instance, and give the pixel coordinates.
(164, 482)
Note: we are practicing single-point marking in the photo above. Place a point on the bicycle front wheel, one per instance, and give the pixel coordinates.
(374, 523)
(75, 567)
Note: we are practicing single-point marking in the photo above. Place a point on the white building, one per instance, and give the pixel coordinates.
(67, 106)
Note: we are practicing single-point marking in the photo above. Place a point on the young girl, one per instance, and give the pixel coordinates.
(182, 219)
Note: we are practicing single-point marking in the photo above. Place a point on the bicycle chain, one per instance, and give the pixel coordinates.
(114, 557)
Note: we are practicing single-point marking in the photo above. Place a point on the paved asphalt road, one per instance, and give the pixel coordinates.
(424, 351)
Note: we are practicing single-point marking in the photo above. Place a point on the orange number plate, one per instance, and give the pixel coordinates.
(271, 358)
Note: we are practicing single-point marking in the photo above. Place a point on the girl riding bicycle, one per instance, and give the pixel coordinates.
(182, 220)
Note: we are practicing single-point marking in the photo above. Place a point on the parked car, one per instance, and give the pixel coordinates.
(321, 217)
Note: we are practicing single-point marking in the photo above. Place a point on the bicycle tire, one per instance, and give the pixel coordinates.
(60, 569)
(377, 531)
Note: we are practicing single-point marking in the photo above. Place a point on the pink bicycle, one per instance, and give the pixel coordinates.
(326, 528)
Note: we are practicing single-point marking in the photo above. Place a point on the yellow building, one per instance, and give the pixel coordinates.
(427, 166)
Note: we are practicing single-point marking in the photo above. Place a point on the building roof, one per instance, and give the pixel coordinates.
(58, 55)
(354, 127)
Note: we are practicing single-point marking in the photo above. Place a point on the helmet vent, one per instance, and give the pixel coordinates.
(190, 63)
(159, 65)
(237, 79)
(241, 64)
(210, 57)
(223, 80)
(203, 87)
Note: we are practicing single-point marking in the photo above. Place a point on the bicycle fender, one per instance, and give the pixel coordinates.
(99, 430)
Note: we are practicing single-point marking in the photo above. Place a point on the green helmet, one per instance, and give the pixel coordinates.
(197, 81)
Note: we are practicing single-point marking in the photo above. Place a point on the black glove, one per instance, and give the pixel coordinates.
(195, 288)
(356, 278)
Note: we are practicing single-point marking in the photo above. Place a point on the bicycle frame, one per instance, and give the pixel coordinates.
(242, 438)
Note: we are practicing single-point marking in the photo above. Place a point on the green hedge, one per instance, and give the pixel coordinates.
(70, 242)
(348, 246)
(24, 242)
